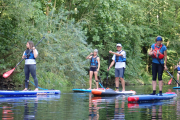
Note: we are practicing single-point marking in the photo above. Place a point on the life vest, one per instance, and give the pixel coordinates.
(120, 58)
(178, 68)
(157, 53)
(94, 62)
(30, 56)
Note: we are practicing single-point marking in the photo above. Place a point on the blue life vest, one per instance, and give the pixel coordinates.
(178, 68)
(30, 56)
(120, 58)
(94, 62)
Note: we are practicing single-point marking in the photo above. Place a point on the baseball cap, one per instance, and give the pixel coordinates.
(159, 38)
(119, 45)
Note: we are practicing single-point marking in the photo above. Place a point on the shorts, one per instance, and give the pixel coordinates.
(119, 72)
(94, 69)
(157, 69)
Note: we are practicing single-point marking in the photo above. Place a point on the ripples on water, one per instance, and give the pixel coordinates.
(84, 106)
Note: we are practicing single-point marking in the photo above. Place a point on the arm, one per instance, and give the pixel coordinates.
(117, 54)
(151, 52)
(23, 56)
(165, 59)
(35, 52)
(98, 59)
(112, 63)
(89, 56)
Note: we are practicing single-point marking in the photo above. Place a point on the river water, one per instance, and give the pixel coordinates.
(84, 106)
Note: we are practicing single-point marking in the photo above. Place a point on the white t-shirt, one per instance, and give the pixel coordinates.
(120, 64)
(30, 61)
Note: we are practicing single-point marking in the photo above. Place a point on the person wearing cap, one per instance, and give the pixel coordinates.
(158, 52)
(178, 71)
(119, 58)
(94, 67)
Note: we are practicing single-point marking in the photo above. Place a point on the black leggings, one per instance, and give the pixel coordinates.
(30, 69)
(157, 68)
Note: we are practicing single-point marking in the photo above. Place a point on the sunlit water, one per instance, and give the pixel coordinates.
(84, 106)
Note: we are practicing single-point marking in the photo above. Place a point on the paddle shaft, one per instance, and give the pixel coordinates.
(169, 73)
(100, 80)
(29, 52)
(108, 70)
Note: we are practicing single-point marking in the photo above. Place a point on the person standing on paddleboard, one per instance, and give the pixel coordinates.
(30, 64)
(178, 72)
(159, 59)
(119, 58)
(94, 67)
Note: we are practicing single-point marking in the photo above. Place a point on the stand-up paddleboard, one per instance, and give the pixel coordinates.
(176, 87)
(29, 93)
(141, 98)
(110, 92)
(85, 90)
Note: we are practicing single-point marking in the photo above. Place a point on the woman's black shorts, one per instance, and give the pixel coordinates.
(94, 69)
(157, 69)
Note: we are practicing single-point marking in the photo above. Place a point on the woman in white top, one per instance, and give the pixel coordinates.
(30, 64)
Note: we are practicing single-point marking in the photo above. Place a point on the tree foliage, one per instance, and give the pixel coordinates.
(73, 28)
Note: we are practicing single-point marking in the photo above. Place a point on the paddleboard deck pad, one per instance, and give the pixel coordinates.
(85, 90)
(110, 92)
(29, 93)
(141, 98)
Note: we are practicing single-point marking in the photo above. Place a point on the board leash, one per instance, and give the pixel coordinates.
(38, 86)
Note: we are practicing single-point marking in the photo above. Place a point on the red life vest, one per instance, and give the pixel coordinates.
(157, 53)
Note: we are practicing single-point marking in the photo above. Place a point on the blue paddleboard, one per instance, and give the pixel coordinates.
(81, 90)
(29, 93)
(139, 98)
(176, 87)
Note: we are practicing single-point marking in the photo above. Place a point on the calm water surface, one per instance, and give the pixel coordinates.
(84, 106)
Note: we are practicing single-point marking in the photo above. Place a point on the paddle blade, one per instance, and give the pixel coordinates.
(8, 73)
(170, 81)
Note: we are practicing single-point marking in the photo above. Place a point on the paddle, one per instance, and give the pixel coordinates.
(170, 81)
(108, 70)
(8, 73)
(169, 73)
(100, 81)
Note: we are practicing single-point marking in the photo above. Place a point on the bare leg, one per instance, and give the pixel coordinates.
(117, 83)
(90, 79)
(160, 85)
(123, 83)
(177, 78)
(154, 85)
(96, 78)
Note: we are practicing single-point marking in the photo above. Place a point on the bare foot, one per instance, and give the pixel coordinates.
(36, 89)
(89, 89)
(123, 90)
(25, 89)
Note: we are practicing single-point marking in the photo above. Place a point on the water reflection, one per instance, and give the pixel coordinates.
(106, 104)
(30, 106)
(151, 110)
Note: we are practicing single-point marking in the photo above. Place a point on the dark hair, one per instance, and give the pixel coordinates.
(31, 44)
(158, 37)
